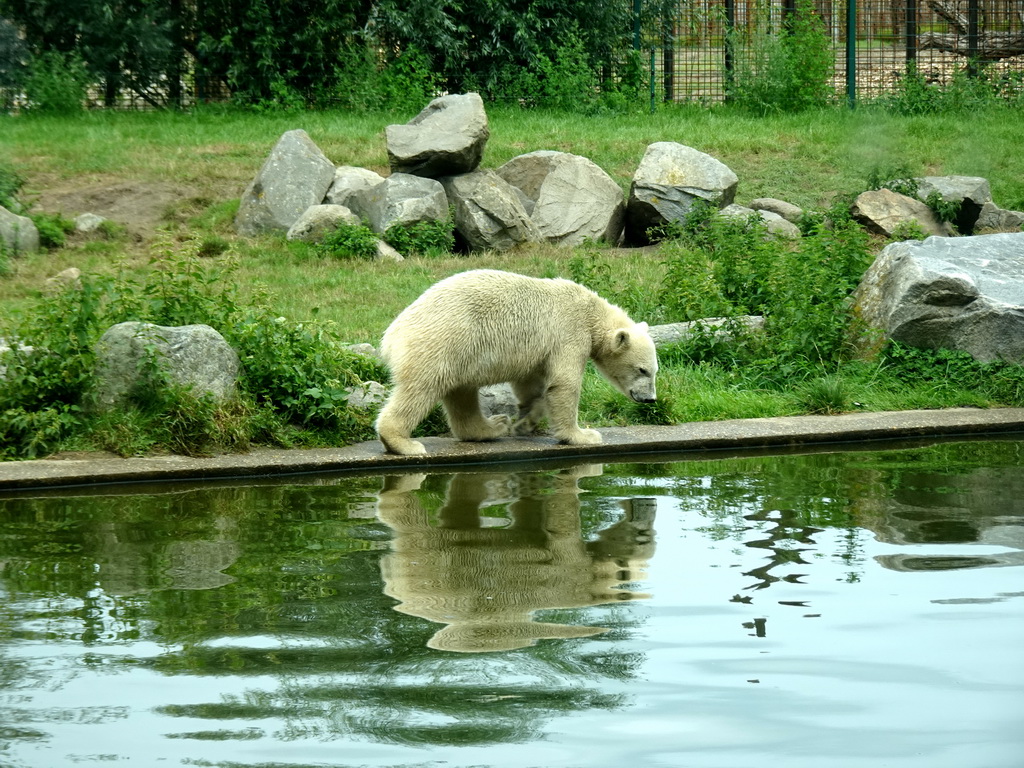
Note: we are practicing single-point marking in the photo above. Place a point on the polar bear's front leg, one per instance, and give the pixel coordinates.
(563, 412)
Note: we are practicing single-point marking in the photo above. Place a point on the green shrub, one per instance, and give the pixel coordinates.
(784, 72)
(1002, 382)
(350, 241)
(53, 229)
(425, 238)
(294, 381)
(962, 95)
(57, 83)
(11, 183)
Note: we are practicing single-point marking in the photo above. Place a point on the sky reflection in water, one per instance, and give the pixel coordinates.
(832, 608)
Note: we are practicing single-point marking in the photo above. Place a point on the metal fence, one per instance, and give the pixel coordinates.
(697, 44)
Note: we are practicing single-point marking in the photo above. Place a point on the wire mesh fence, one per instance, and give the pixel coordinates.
(697, 46)
(701, 50)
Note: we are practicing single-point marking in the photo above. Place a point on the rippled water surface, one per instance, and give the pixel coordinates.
(840, 609)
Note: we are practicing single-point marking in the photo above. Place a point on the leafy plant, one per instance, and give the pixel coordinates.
(426, 238)
(57, 83)
(295, 376)
(53, 229)
(11, 183)
(350, 241)
(786, 72)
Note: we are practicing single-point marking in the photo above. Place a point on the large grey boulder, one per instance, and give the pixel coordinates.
(670, 179)
(320, 220)
(294, 176)
(962, 293)
(570, 198)
(403, 199)
(18, 234)
(350, 183)
(489, 214)
(447, 138)
(994, 219)
(191, 356)
(883, 212)
(971, 192)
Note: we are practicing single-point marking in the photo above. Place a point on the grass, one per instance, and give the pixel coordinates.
(208, 157)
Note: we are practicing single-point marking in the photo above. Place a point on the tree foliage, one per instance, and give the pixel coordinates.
(275, 51)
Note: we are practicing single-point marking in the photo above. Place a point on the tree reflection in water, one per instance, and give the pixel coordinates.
(450, 564)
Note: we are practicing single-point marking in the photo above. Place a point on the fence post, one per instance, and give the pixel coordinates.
(851, 53)
(911, 32)
(668, 56)
(730, 25)
(653, 90)
(972, 38)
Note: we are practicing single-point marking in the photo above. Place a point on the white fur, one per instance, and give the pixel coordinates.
(488, 327)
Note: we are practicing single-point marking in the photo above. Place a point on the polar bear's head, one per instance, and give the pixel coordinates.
(629, 361)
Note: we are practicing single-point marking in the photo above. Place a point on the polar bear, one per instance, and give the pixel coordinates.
(487, 327)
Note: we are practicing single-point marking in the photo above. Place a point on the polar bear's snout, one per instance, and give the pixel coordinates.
(643, 396)
(642, 390)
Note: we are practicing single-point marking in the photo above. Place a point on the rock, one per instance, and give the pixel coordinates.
(788, 211)
(669, 180)
(447, 138)
(569, 198)
(386, 252)
(963, 293)
(718, 327)
(294, 176)
(192, 356)
(882, 212)
(994, 219)
(18, 234)
(403, 199)
(499, 400)
(773, 221)
(364, 349)
(348, 186)
(488, 212)
(972, 192)
(368, 395)
(7, 347)
(88, 222)
(69, 278)
(320, 220)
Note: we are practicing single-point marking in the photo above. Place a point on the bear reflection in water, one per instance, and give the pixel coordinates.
(484, 582)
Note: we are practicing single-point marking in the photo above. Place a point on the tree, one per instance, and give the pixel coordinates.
(123, 43)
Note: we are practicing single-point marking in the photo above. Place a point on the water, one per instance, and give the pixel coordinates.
(839, 609)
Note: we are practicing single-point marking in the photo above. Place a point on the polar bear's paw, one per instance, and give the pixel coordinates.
(481, 430)
(404, 446)
(583, 437)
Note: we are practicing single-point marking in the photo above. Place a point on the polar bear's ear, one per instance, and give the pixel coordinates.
(620, 339)
(643, 327)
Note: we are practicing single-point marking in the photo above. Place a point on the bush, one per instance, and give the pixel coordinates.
(57, 83)
(426, 238)
(350, 241)
(295, 376)
(786, 72)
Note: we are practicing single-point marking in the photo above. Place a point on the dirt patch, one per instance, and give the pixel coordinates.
(140, 207)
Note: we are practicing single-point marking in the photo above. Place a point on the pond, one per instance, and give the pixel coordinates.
(829, 608)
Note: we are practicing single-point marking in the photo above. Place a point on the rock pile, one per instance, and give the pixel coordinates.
(542, 196)
(546, 196)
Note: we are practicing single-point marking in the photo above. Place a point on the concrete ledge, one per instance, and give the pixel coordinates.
(620, 443)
